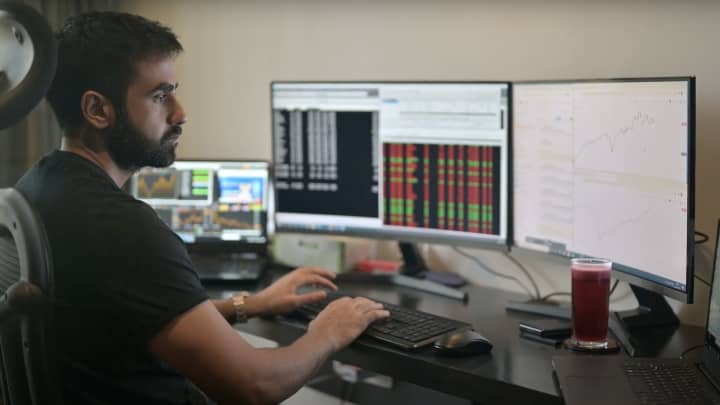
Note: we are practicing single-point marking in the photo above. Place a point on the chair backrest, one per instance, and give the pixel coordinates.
(27, 356)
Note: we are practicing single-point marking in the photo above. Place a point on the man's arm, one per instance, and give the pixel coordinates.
(226, 309)
(252, 308)
(281, 296)
(201, 345)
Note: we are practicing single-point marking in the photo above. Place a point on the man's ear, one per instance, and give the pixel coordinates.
(97, 110)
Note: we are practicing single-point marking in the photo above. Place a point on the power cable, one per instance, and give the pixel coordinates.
(495, 273)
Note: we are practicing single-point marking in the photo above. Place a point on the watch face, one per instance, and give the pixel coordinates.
(238, 301)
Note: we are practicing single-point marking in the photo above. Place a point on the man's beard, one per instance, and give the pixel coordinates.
(131, 150)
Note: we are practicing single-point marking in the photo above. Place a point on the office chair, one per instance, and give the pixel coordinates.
(27, 362)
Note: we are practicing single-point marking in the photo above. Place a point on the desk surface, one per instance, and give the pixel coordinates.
(517, 369)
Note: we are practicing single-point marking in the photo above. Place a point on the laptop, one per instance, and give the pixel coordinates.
(619, 380)
(219, 208)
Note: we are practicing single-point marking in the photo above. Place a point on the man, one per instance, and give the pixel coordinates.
(133, 322)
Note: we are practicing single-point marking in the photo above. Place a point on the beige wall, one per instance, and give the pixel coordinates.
(235, 48)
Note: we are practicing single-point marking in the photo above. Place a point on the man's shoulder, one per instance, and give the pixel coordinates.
(135, 214)
(139, 225)
(72, 194)
(62, 178)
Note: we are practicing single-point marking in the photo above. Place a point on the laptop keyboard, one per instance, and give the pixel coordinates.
(228, 268)
(405, 328)
(658, 383)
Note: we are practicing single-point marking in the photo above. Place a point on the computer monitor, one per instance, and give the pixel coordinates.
(411, 161)
(212, 205)
(605, 168)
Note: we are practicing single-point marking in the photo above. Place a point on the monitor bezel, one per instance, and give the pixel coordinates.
(212, 246)
(386, 234)
(619, 273)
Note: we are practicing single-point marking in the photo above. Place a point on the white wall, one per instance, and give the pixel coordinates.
(235, 48)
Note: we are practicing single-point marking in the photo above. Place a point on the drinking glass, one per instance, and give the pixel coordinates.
(590, 302)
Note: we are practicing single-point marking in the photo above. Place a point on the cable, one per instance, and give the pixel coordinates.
(494, 273)
(702, 280)
(704, 237)
(527, 273)
(546, 297)
(689, 349)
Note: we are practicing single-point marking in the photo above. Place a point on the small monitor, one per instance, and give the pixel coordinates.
(425, 161)
(210, 204)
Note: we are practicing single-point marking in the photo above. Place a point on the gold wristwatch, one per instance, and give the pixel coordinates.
(238, 301)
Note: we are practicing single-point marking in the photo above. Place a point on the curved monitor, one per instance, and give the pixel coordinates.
(605, 168)
(424, 161)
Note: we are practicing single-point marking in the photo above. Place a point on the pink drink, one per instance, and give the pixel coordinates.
(590, 301)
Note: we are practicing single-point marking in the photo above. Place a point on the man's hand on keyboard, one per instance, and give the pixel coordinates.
(282, 296)
(344, 319)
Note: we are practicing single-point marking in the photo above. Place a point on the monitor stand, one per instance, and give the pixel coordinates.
(414, 273)
(643, 331)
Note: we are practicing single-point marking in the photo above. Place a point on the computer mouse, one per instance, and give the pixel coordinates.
(463, 343)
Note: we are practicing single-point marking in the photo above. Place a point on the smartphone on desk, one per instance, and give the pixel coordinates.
(547, 328)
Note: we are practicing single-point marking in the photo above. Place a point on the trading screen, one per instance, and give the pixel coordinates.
(424, 159)
(602, 169)
(205, 201)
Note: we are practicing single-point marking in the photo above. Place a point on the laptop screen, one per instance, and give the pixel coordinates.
(211, 203)
(713, 319)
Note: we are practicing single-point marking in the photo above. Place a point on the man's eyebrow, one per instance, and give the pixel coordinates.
(165, 87)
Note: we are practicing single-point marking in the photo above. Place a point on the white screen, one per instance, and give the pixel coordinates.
(601, 170)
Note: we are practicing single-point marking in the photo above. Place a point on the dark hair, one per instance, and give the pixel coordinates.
(98, 51)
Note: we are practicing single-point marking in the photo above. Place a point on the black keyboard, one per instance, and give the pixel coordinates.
(405, 328)
(666, 383)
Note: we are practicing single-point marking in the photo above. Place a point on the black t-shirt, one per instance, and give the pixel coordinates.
(120, 276)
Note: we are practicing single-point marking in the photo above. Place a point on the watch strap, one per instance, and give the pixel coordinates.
(238, 301)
